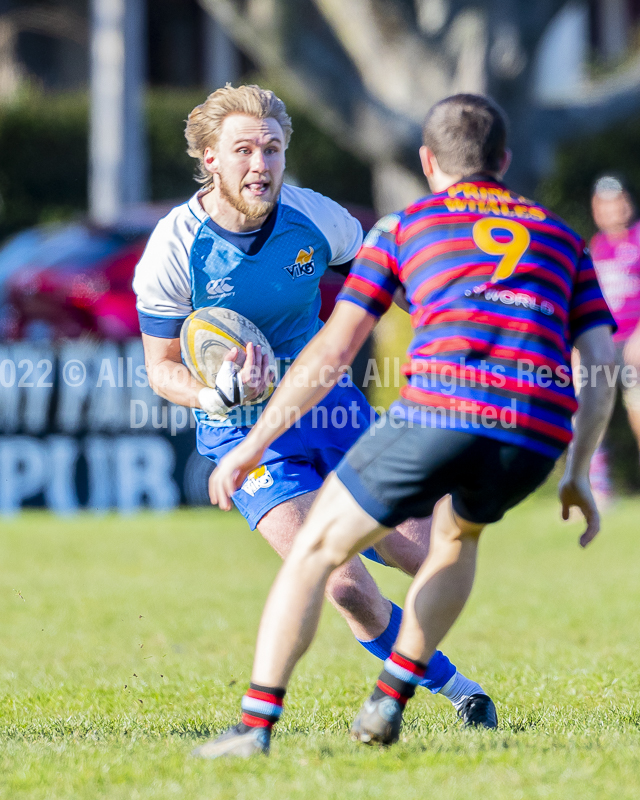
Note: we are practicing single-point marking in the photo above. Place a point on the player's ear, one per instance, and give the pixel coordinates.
(210, 160)
(505, 163)
(428, 160)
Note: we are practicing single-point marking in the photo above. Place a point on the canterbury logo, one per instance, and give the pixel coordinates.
(219, 287)
(303, 264)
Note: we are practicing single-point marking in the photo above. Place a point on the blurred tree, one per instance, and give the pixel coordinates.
(580, 162)
(368, 70)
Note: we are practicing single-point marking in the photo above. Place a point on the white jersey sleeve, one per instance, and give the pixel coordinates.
(340, 229)
(162, 280)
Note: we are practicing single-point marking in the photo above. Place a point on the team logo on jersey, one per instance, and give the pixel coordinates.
(260, 478)
(510, 298)
(219, 288)
(387, 224)
(371, 239)
(303, 264)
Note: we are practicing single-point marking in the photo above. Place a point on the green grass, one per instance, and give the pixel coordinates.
(124, 641)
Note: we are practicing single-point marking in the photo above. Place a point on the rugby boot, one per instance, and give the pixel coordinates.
(236, 742)
(379, 721)
(478, 711)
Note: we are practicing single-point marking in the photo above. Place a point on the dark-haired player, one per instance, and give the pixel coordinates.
(499, 290)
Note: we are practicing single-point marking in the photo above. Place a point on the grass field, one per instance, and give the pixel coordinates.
(124, 641)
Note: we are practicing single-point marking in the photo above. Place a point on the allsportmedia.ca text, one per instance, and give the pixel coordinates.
(435, 373)
(449, 376)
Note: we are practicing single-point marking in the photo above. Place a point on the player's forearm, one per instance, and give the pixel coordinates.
(590, 422)
(595, 401)
(309, 379)
(174, 382)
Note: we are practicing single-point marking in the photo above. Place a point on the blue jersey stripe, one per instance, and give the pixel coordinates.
(162, 327)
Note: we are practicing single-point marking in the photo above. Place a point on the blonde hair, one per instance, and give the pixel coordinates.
(205, 121)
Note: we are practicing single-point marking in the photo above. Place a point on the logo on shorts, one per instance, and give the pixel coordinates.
(303, 264)
(260, 478)
(219, 287)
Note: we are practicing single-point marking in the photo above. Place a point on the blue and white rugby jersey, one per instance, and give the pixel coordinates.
(187, 264)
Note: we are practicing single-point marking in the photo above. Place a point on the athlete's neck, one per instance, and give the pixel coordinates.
(616, 233)
(442, 182)
(226, 216)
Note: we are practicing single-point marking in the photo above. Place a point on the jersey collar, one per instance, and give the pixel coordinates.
(481, 177)
(196, 208)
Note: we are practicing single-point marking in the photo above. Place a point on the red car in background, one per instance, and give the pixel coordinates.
(65, 280)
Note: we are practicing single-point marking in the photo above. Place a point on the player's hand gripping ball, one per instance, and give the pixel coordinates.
(207, 337)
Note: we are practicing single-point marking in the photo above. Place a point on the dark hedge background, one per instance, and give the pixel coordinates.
(43, 157)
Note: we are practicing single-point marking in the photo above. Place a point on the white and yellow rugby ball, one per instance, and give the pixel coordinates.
(209, 333)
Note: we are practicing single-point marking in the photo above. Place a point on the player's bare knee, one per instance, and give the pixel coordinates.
(411, 567)
(312, 543)
(335, 549)
(322, 537)
(346, 593)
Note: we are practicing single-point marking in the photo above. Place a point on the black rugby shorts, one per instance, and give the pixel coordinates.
(400, 469)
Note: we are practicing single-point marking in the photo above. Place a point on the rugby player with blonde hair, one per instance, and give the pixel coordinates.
(235, 245)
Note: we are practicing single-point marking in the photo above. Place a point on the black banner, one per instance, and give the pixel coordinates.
(80, 428)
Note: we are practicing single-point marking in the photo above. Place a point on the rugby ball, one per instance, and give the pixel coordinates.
(208, 334)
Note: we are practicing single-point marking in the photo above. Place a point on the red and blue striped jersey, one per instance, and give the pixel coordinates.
(499, 288)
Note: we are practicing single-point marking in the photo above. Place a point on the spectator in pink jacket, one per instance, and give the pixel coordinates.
(616, 254)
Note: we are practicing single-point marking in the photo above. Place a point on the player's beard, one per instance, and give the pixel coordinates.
(250, 210)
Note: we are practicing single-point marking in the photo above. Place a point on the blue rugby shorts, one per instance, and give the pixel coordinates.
(300, 460)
